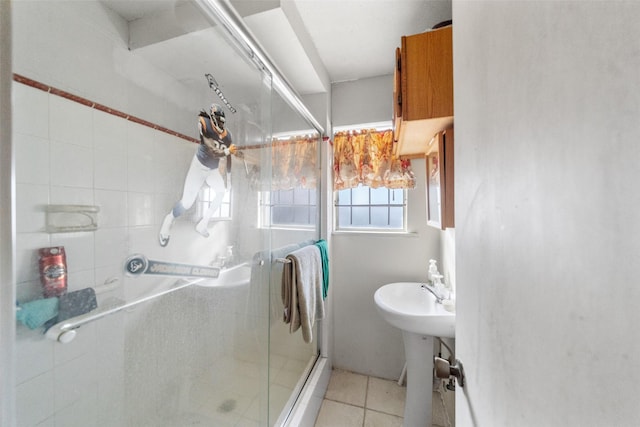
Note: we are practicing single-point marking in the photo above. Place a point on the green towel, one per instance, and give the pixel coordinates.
(324, 255)
(34, 314)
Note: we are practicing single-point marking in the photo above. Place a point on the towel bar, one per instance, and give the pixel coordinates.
(283, 260)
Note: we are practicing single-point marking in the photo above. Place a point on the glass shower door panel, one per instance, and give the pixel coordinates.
(294, 192)
(169, 320)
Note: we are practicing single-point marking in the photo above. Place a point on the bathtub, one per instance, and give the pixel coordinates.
(238, 275)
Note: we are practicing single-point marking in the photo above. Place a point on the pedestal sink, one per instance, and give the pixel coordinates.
(414, 310)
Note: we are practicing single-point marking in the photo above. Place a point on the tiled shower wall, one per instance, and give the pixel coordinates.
(67, 153)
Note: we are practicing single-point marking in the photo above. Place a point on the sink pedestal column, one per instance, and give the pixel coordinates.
(418, 350)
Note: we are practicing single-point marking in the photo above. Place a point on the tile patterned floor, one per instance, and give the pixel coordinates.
(355, 400)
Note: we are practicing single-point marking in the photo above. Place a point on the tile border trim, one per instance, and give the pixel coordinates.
(100, 107)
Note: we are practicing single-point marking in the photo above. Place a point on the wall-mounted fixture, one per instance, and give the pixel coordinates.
(423, 90)
(71, 218)
(444, 370)
(440, 177)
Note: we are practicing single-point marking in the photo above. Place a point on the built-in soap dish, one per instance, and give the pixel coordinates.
(71, 218)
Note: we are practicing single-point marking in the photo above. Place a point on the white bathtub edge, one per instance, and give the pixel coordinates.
(305, 411)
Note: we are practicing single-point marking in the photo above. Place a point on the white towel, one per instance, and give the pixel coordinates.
(302, 290)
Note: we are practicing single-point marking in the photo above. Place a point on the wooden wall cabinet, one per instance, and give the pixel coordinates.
(440, 186)
(423, 90)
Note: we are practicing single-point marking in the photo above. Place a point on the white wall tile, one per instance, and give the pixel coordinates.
(70, 122)
(110, 170)
(140, 207)
(82, 345)
(49, 422)
(111, 246)
(113, 209)
(110, 155)
(31, 200)
(32, 159)
(30, 111)
(81, 413)
(71, 196)
(172, 163)
(34, 400)
(71, 165)
(109, 273)
(141, 144)
(75, 380)
(27, 245)
(28, 291)
(81, 279)
(79, 249)
(34, 354)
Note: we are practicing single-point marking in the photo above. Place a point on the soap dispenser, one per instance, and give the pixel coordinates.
(433, 271)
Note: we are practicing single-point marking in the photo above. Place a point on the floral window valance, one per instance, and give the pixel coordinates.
(365, 158)
(294, 163)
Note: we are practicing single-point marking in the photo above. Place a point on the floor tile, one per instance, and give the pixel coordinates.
(347, 387)
(333, 414)
(386, 396)
(378, 419)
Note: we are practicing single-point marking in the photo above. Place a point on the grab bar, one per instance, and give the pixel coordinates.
(65, 331)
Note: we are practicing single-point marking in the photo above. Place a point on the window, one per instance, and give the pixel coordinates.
(295, 207)
(369, 208)
(205, 199)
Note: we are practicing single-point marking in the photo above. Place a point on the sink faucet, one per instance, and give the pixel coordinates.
(426, 286)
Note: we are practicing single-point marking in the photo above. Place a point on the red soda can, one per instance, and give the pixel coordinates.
(53, 271)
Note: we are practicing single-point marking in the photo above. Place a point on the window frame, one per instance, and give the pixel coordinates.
(203, 201)
(266, 205)
(337, 227)
(379, 126)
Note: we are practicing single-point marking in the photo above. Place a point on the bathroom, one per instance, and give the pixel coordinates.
(544, 244)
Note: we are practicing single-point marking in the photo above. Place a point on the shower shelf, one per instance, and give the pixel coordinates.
(71, 218)
(65, 331)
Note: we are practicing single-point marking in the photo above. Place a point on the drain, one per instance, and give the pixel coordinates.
(227, 406)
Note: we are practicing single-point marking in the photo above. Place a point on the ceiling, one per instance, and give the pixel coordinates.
(312, 42)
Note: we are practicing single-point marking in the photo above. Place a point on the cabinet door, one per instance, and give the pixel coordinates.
(397, 96)
(439, 180)
(427, 75)
(448, 213)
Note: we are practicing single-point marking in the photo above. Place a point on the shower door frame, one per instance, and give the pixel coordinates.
(7, 225)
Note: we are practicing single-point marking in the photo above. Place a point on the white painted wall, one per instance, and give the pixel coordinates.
(362, 262)
(362, 101)
(547, 103)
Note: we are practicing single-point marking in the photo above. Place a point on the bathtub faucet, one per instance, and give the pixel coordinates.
(226, 260)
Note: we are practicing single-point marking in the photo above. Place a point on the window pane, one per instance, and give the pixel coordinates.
(300, 196)
(281, 215)
(312, 214)
(301, 215)
(344, 217)
(360, 195)
(396, 219)
(397, 196)
(379, 196)
(285, 197)
(379, 216)
(344, 197)
(360, 216)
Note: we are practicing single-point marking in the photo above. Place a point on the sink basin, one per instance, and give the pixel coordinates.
(414, 310)
(410, 308)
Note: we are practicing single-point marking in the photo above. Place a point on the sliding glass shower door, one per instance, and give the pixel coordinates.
(153, 152)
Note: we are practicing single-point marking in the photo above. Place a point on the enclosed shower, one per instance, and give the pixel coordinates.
(173, 308)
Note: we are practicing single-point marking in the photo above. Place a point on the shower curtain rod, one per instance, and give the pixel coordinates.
(221, 11)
